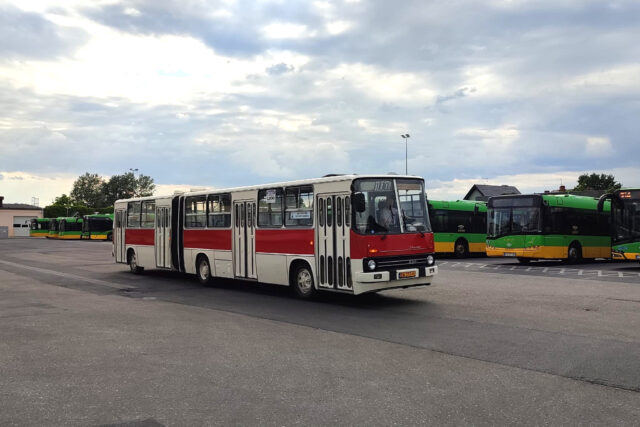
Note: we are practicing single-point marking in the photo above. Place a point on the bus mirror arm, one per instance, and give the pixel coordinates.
(602, 199)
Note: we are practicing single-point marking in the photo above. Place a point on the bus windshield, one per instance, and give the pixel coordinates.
(383, 214)
(627, 221)
(514, 215)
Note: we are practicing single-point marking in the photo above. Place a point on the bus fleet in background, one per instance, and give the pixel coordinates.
(351, 234)
(90, 227)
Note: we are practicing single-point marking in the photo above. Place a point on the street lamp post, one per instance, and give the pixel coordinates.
(406, 152)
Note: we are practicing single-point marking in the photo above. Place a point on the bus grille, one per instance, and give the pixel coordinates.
(396, 262)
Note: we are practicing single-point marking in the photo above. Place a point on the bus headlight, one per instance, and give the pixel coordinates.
(430, 260)
(371, 264)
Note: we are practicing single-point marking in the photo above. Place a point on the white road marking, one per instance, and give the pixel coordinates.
(67, 275)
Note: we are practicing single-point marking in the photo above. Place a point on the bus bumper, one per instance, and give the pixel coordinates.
(376, 281)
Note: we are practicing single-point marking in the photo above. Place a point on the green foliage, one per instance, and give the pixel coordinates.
(87, 190)
(92, 193)
(126, 186)
(597, 182)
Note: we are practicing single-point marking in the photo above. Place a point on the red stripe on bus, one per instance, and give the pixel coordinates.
(363, 246)
(139, 236)
(207, 239)
(290, 241)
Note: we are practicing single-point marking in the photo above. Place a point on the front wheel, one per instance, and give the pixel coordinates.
(204, 271)
(303, 283)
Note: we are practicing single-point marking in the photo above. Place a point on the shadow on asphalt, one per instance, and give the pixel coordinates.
(175, 282)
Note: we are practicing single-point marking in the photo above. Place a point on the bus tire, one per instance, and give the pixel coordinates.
(461, 248)
(132, 260)
(302, 281)
(203, 270)
(574, 253)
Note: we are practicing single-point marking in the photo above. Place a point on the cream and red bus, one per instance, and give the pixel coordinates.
(330, 233)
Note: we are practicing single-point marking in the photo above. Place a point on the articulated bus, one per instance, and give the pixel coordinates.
(459, 227)
(70, 228)
(340, 233)
(548, 226)
(54, 225)
(39, 227)
(625, 218)
(97, 227)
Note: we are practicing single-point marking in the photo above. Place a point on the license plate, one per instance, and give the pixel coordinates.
(509, 254)
(406, 274)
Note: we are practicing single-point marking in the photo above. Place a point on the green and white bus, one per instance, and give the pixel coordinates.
(625, 222)
(69, 228)
(97, 227)
(548, 226)
(459, 227)
(39, 227)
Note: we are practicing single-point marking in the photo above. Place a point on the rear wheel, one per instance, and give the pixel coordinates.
(574, 254)
(461, 248)
(302, 282)
(133, 263)
(204, 270)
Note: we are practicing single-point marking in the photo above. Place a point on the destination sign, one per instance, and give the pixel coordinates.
(629, 194)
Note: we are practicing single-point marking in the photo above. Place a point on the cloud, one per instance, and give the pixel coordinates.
(27, 35)
(599, 146)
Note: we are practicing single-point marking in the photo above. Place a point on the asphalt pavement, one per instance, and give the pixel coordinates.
(85, 342)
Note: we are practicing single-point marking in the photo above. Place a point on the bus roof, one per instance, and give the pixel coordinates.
(333, 178)
(69, 218)
(110, 216)
(458, 205)
(565, 200)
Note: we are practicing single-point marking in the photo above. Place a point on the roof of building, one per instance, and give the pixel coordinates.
(21, 206)
(492, 190)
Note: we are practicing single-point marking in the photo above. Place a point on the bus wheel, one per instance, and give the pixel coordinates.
(461, 248)
(574, 254)
(204, 270)
(302, 282)
(524, 260)
(133, 263)
(109, 237)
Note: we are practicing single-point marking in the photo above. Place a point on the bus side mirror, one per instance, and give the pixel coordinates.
(358, 202)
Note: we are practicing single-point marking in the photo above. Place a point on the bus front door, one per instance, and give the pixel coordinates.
(162, 237)
(119, 235)
(244, 240)
(332, 248)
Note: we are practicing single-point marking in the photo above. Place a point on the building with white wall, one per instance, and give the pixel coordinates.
(16, 217)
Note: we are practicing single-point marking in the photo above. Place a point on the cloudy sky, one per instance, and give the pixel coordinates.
(223, 93)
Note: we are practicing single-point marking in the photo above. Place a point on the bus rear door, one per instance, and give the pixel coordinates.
(119, 235)
(162, 237)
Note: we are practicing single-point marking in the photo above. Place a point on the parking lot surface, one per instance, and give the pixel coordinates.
(85, 342)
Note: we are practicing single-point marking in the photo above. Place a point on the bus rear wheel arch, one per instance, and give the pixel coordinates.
(132, 260)
(461, 248)
(203, 269)
(301, 280)
(574, 253)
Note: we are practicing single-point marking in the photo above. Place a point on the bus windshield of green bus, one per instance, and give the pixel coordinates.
(515, 215)
(381, 214)
(627, 221)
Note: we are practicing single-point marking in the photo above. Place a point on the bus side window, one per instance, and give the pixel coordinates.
(321, 211)
(329, 212)
(347, 211)
(133, 214)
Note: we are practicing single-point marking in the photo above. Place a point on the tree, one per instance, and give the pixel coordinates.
(64, 206)
(597, 182)
(126, 186)
(87, 190)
